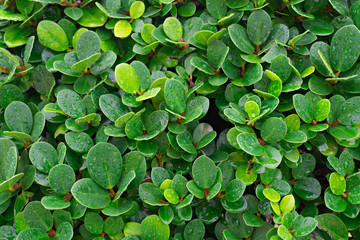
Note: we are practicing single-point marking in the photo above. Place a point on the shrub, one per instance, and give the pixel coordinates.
(163, 119)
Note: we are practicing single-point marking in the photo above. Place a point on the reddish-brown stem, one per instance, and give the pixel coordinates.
(112, 192)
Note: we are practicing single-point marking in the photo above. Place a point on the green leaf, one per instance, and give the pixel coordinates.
(113, 225)
(171, 196)
(93, 223)
(271, 157)
(303, 108)
(127, 78)
(92, 17)
(258, 26)
(5, 15)
(153, 228)
(217, 9)
(185, 142)
(18, 117)
(84, 64)
(104, 163)
(342, 165)
(71, 103)
(73, 12)
(124, 183)
(175, 96)
(8, 159)
(332, 225)
(79, 141)
(281, 67)
(150, 194)
(234, 115)
(273, 130)
(137, 9)
(87, 45)
(354, 195)
(51, 35)
(340, 6)
(122, 29)
(10, 93)
(173, 28)
(322, 110)
(112, 106)
(29, 177)
(284, 233)
(33, 234)
(149, 94)
(64, 231)
(252, 220)
(104, 63)
(118, 207)
(240, 38)
(135, 161)
(43, 156)
(343, 50)
(271, 194)
(216, 53)
(303, 227)
(204, 172)
(320, 57)
(253, 74)
(54, 202)
(15, 36)
(355, 13)
(319, 86)
(195, 229)
(179, 185)
(287, 204)
(205, 140)
(319, 26)
(344, 132)
(252, 109)
(307, 188)
(349, 112)
(61, 178)
(42, 80)
(250, 144)
(65, 68)
(202, 65)
(334, 202)
(234, 190)
(36, 216)
(337, 183)
(89, 194)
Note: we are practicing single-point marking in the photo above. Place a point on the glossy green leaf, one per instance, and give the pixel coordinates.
(234, 190)
(37, 216)
(303, 108)
(18, 117)
(273, 130)
(204, 172)
(153, 228)
(332, 225)
(51, 35)
(343, 53)
(104, 163)
(259, 26)
(61, 178)
(173, 28)
(250, 144)
(127, 78)
(43, 156)
(89, 194)
(337, 183)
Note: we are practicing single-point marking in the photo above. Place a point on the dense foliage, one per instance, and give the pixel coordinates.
(106, 111)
